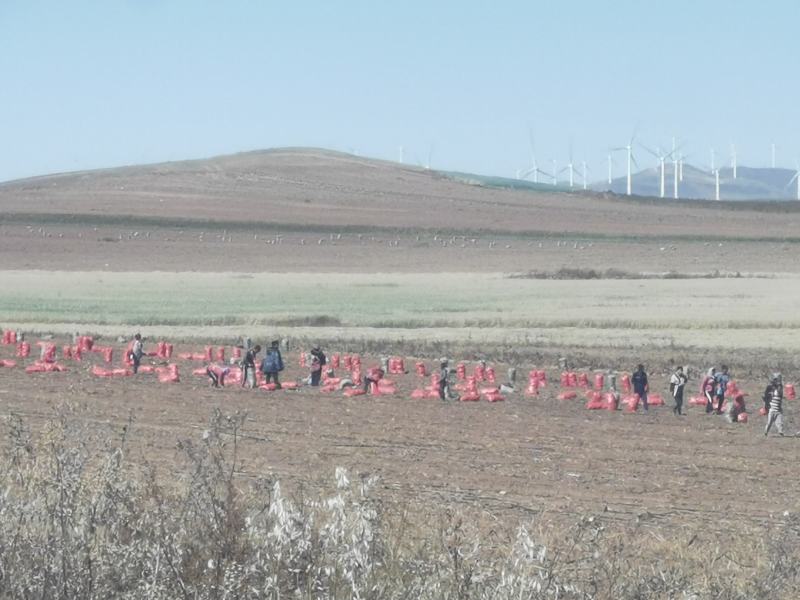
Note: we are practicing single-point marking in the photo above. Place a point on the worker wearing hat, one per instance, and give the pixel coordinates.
(444, 376)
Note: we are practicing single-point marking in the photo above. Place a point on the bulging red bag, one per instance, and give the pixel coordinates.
(335, 361)
(221, 354)
(567, 395)
(23, 350)
(655, 400)
(497, 397)
(626, 383)
(742, 418)
(789, 391)
(469, 397)
(490, 375)
(8, 364)
(599, 380)
(354, 391)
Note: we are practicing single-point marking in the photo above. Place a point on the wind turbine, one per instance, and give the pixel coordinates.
(534, 168)
(716, 184)
(733, 159)
(631, 161)
(796, 178)
(661, 160)
(570, 168)
(585, 178)
(610, 165)
(555, 172)
(430, 155)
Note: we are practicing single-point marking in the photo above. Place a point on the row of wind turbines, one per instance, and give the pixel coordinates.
(676, 157)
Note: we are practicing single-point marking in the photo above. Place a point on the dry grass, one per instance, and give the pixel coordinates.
(79, 524)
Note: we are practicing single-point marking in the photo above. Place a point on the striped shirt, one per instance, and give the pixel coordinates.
(776, 399)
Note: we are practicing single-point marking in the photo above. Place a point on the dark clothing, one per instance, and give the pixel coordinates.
(273, 361)
(639, 382)
(709, 401)
(771, 390)
(316, 376)
(676, 383)
(444, 374)
(249, 368)
(320, 356)
(721, 385)
(273, 377)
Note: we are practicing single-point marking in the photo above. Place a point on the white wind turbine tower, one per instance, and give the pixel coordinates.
(610, 165)
(796, 178)
(585, 177)
(631, 162)
(733, 160)
(716, 184)
(661, 161)
(570, 168)
(534, 168)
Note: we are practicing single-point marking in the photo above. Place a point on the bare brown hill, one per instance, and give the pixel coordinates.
(301, 189)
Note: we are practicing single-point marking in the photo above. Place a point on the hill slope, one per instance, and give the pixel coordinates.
(308, 188)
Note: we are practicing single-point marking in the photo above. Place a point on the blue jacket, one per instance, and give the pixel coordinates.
(273, 361)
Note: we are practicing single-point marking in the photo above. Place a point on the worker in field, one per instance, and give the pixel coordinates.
(736, 407)
(217, 373)
(707, 388)
(137, 351)
(773, 399)
(374, 375)
(272, 364)
(318, 362)
(721, 385)
(640, 385)
(677, 383)
(444, 379)
(249, 367)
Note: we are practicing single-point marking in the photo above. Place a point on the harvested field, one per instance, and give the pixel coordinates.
(522, 457)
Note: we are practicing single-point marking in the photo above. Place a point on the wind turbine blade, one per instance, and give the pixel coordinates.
(650, 151)
(633, 160)
(792, 180)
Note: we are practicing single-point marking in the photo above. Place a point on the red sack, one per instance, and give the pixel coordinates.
(742, 418)
(98, 371)
(121, 372)
(147, 369)
(789, 391)
(236, 353)
(168, 348)
(469, 397)
(290, 385)
(66, 352)
(200, 371)
(221, 354)
(419, 394)
(348, 362)
(23, 350)
(599, 381)
(632, 403)
(611, 402)
(209, 353)
(335, 361)
(626, 383)
(490, 376)
(533, 389)
(269, 387)
(461, 371)
(489, 390)
(8, 364)
(583, 380)
(654, 400)
(573, 380)
(495, 397)
(354, 391)
(567, 396)
(762, 411)
(480, 372)
(421, 370)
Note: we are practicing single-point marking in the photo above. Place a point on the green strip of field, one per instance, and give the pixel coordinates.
(748, 312)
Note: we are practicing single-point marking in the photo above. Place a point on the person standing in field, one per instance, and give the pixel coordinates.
(137, 351)
(721, 384)
(249, 367)
(444, 379)
(774, 393)
(640, 385)
(272, 364)
(707, 389)
(735, 408)
(318, 362)
(677, 382)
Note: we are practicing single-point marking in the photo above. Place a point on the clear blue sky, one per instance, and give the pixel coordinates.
(94, 83)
